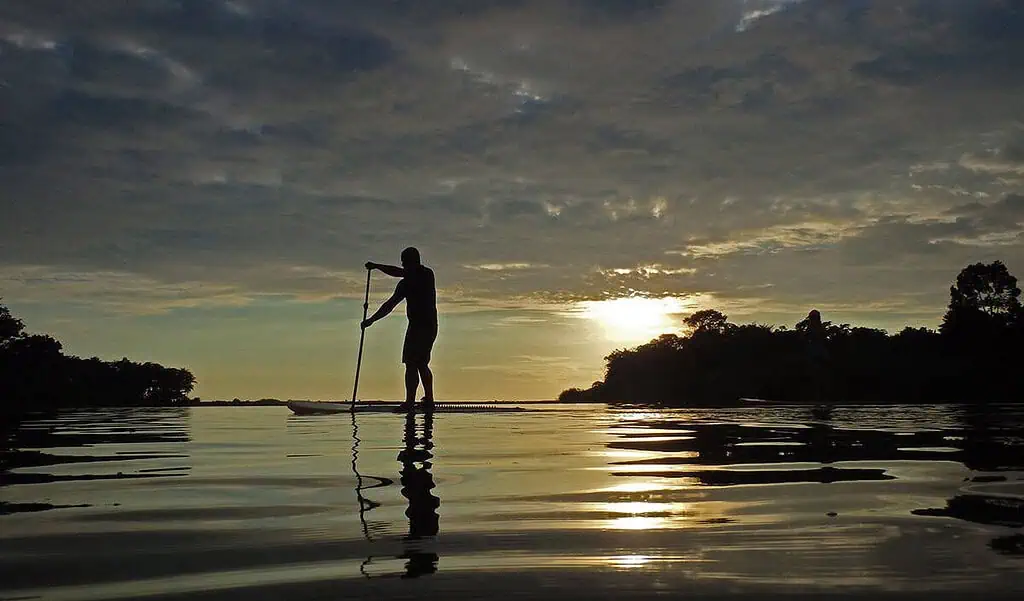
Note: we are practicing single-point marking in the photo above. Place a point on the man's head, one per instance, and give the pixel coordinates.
(410, 257)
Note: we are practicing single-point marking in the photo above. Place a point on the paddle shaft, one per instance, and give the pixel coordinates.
(362, 336)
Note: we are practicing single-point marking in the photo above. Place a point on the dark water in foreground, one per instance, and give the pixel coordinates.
(575, 502)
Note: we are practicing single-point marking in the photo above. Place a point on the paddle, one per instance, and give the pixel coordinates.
(362, 336)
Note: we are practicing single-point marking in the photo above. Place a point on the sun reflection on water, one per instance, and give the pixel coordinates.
(638, 522)
(630, 561)
(640, 507)
(640, 487)
(645, 514)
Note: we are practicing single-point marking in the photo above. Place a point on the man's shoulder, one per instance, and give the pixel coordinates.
(422, 273)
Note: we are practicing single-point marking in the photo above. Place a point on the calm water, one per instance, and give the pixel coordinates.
(565, 502)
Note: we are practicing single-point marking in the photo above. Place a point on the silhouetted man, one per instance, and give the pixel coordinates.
(417, 290)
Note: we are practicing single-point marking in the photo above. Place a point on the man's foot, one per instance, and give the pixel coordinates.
(405, 407)
(427, 403)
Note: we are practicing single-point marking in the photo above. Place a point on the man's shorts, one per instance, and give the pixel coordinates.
(419, 340)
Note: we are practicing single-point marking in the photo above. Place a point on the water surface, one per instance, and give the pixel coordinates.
(561, 502)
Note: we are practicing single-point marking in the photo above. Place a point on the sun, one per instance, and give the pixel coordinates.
(636, 319)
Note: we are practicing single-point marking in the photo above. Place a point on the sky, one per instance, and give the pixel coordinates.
(199, 182)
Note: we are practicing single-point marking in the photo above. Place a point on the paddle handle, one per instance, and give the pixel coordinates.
(362, 336)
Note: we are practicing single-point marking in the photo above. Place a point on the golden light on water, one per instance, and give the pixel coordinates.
(637, 319)
(646, 515)
(630, 561)
(641, 507)
(639, 487)
(638, 522)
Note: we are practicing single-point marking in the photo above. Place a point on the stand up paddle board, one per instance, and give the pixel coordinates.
(325, 408)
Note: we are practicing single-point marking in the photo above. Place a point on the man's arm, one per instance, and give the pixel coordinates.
(391, 270)
(387, 307)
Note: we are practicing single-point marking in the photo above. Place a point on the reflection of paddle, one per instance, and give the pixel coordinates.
(362, 336)
(359, 479)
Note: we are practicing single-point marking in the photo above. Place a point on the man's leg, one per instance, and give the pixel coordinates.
(428, 383)
(412, 381)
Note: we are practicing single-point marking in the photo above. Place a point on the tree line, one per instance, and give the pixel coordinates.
(975, 356)
(35, 374)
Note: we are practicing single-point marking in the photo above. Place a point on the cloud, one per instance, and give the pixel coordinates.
(128, 292)
(755, 10)
(112, 291)
(504, 266)
(1005, 159)
(533, 150)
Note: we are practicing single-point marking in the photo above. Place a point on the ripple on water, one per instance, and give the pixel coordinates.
(207, 502)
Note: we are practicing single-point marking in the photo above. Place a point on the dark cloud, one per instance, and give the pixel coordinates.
(1006, 215)
(619, 9)
(80, 109)
(736, 145)
(999, 21)
(973, 41)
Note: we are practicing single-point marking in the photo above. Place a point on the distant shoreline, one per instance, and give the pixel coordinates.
(613, 404)
(238, 403)
(278, 402)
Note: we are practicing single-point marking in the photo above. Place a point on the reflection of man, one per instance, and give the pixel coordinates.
(417, 484)
(417, 290)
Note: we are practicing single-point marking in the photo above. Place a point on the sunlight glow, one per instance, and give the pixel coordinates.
(647, 515)
(637, 523)
(630, 561)
(636, 319)
(639, 487)
(639, 507)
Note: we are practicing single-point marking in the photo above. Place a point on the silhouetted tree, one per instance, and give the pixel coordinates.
(10, 327)
(983, 333)
(35, 374)
(812, 324)
(822, 362)
(985, 297)
(708, 320)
